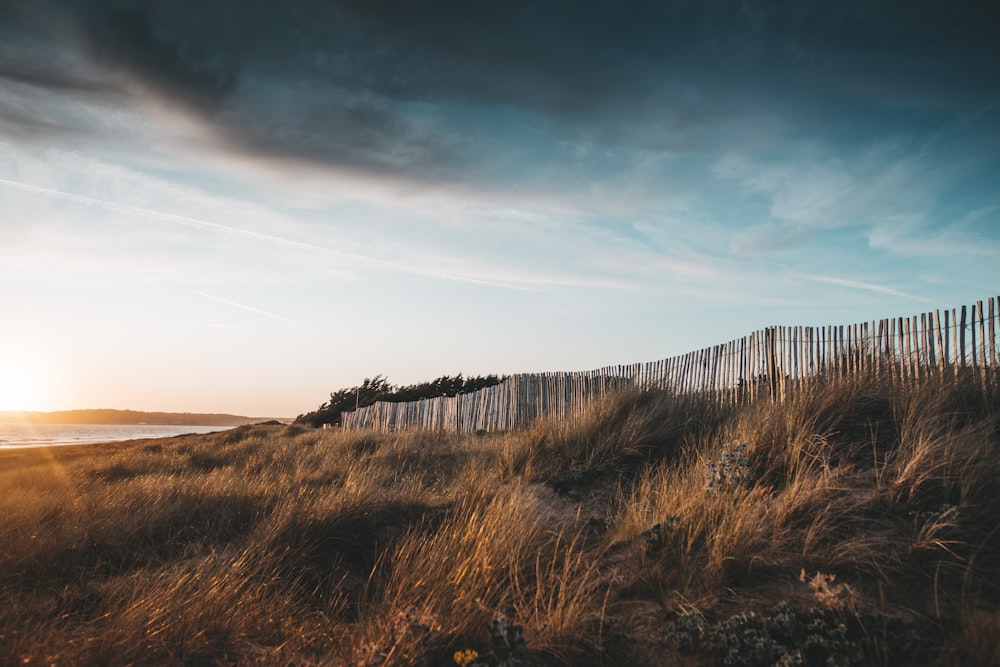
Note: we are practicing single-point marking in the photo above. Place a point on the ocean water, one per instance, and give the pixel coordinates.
(38, 435)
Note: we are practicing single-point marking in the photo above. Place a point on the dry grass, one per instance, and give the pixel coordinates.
(496, 553)
(274, 545)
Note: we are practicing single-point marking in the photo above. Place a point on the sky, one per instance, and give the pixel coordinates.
(241, 206)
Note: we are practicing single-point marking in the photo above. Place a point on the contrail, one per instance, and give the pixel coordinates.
(249, 308)
(265, 238)
(205, 325)
(871, 287)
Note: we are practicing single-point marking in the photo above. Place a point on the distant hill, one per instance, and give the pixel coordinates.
(128, 417)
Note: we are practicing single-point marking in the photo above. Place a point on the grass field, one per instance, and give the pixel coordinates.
(857, 523)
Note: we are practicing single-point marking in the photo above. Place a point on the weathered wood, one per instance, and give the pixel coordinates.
(760, 364)
(931, 358)
(946, 332)
(794, 349)
(931, 343)
(771, 361)
(849, 347)
(842, 354)
(814, 350)
(725, 362)
(955, 359)
(683, 373)
(901, 345)
(993, 333)
(823, 344)
(982, 339)
(942, 349)
(786, 359)
(808, 362)
(890, 343)
(826, 348)
(837, 358)
(868, 347)
(851, 343)
(859, 346)
(961, 338)
(699, 370)
(712, 368)
(889, 346)
(972, 335)
(858, 349)
(909, 347)
(734, 361)
(779, 361)
(880, 348)
(922, 356)
(760, 378)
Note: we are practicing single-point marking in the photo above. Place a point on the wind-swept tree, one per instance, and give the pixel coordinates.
(378, 388)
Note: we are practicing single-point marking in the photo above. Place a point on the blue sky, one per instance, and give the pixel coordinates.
(231, 206)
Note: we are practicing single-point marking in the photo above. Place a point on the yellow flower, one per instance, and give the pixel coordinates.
(464, 658)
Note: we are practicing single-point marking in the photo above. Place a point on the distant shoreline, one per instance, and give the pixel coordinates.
(131, 418)
(18, 436)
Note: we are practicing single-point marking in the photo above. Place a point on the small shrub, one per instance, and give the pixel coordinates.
(841, 637)
(509, 645)
(828, 594)
(730, 470)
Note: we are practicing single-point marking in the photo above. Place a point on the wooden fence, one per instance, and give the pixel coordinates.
(769, 362)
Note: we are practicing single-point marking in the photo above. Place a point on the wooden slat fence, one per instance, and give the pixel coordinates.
(769, 362)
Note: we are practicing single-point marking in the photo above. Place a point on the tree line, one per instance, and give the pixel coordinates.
(379, 388)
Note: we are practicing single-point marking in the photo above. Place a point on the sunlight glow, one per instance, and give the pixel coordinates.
(18, 388)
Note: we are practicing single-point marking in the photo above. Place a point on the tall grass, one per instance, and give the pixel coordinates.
(589, 541)
(895, 488)
(496, 553)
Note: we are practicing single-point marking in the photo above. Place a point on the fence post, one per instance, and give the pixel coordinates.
(925, 353)
(993, 334)
(982, 340)
(941, 349)
(771, 359)
(972, 336)
(961, 335)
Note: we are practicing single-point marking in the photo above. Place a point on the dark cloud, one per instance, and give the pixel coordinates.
(180, 64)
(416, 88)
(33, 75)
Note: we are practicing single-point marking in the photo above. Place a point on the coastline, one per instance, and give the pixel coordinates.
(27, 435)
(106, 416)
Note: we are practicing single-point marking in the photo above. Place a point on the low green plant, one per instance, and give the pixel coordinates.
(508, 647)
(842, 636)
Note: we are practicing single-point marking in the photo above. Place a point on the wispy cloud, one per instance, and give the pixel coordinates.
(386, 265)
(247, 308)
(871, 287)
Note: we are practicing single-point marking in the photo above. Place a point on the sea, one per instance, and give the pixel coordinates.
(43, 435)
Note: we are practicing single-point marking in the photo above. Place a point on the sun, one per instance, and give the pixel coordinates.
(18, 389)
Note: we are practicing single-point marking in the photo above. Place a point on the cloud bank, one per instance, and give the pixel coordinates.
(457, 92)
